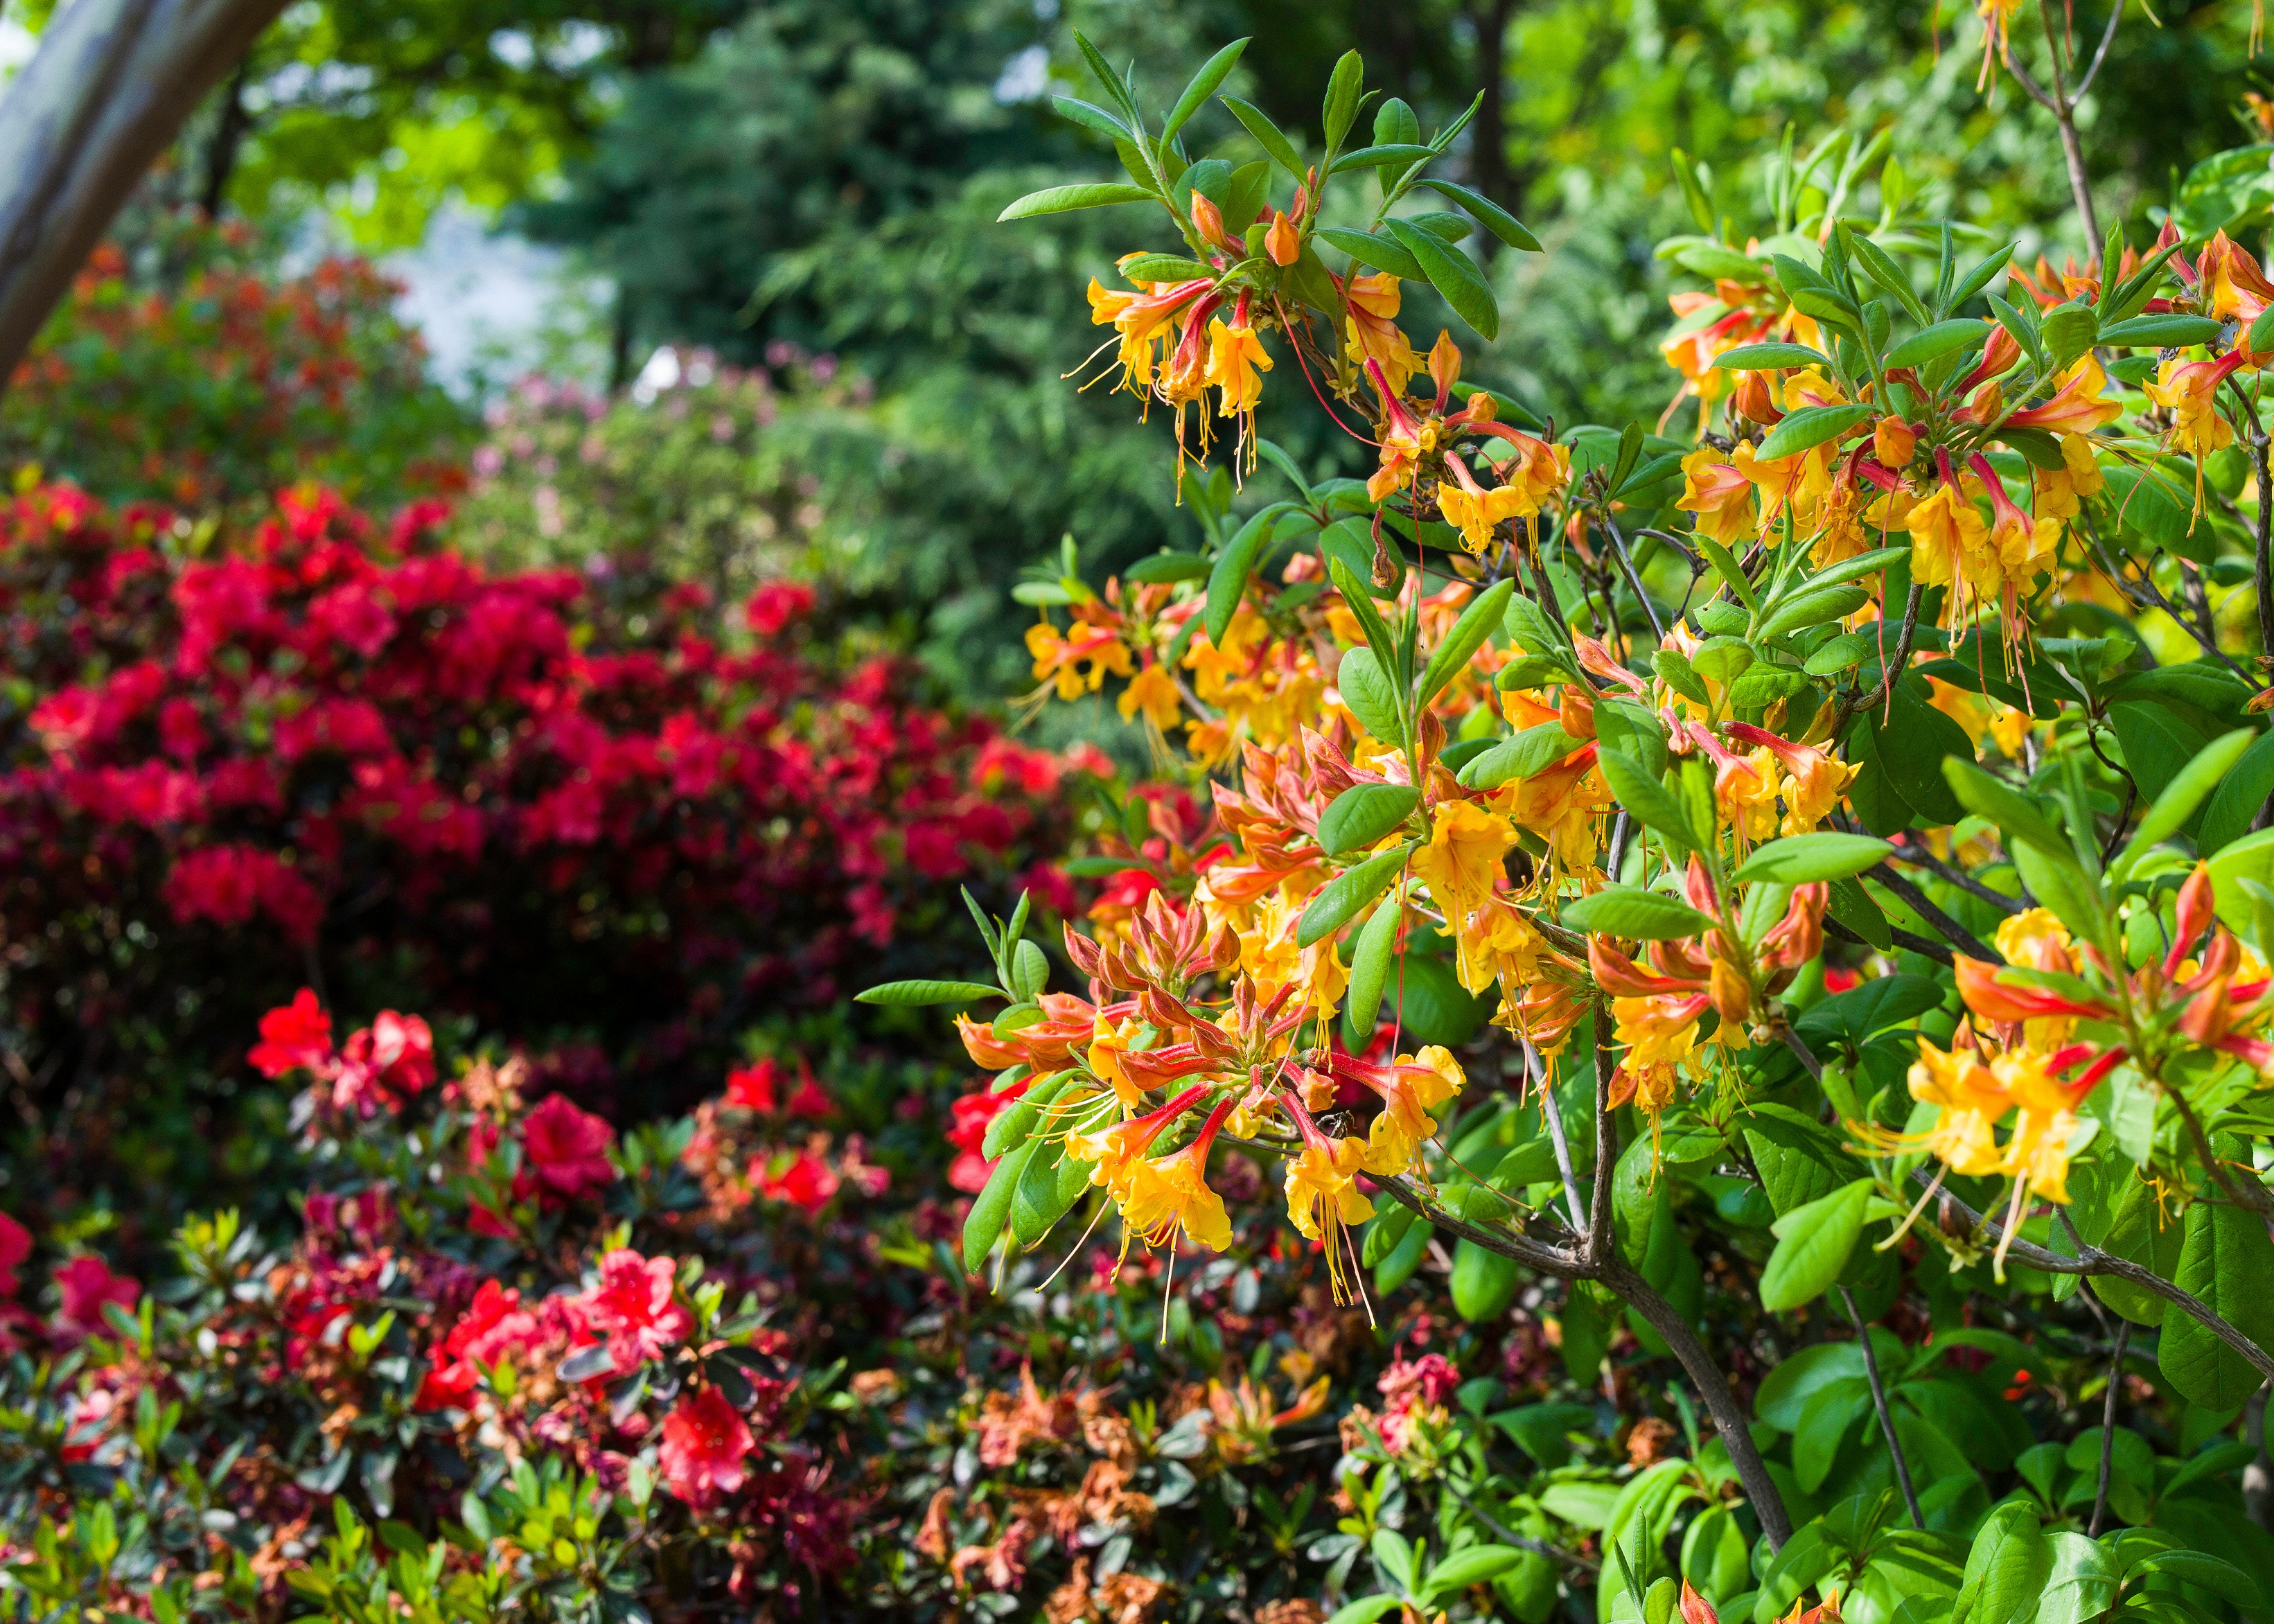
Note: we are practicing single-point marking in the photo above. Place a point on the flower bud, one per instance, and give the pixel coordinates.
(1283, 241)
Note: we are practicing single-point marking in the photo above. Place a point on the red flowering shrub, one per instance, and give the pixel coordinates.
(326, 743)
(212, 379)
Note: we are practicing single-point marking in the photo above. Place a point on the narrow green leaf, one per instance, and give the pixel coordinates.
(1371, 248)
(1058, 200)
(1228, 582)
(2166, 332)
(1469, 633)
(1345, 89)
(992, 1206)
(1371, 695)
(1624, 911)
(1533, 751)
(1938, 340)
(902, 993)
(1362, 814)
(1802, 860)
(1370, 961)
(1341, 897)
(1201, 87)
(1166, 267)
(1645, 797)
(2188, 790)
(1496, 219)
(1266, 134)
(1810, 427)
(1769, 357)
(1454, 276)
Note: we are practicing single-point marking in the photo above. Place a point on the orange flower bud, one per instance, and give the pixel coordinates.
(1732, 996)
(1283, 241)
(1894, 442)
(1207, 219)
(1752, 400)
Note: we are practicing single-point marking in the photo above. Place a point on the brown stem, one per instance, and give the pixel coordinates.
(1600, 1242)
(1850, 703)
(1920, 903)
(2244, 1193)
(1880, 1403)
(2108, 1426)
(2262, 570)
(1729, 1419)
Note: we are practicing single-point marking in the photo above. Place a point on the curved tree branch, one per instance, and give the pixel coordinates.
(110, 86)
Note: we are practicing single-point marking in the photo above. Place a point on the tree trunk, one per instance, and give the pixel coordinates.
(236, 122)
(1488, 135)
(109, 88)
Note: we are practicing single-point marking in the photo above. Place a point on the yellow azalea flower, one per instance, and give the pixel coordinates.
(1270, 955)
(1968, 1102)
(1475, 511)
(1169, 1195)
(1658, 1030)
(2189, 391)
(1717, 494)
(1561, 804)
(1747, 792)
(1236, 355)
(1947, 536)
(1062, 659)
(1410, 1089)
(1108, 1042)
(1324, 1199)
(1497, 944)
(2059, 490)
(1463, 859)
(1154, 691)
(1373, 330)
(1892, 443)
(2076, 406)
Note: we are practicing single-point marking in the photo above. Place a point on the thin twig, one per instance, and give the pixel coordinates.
(2107, 39)
(2108, 1426)
(1523, 1542)
(1606, 1152)
(1920, 903)
(1850, 703)
(1880, 1403)
(1901, 938)
(1634, 580)
(1554, 1114)
(1919, 857)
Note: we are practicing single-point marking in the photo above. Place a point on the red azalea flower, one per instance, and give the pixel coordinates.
(805, 1181)
(754, 1087)
(568, 1150)
(295, 1036)
(86, 1284)
(15, 1246)
(705, 1443)
(632, 1308)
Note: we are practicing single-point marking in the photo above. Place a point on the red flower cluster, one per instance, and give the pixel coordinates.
(324, 733)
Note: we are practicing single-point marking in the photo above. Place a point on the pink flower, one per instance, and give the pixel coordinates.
(15, 1246)
(295, 1036)
(493, 1327)
(632, 1307)
(86, 1284)
(705, 1443)
(774, 606)
(393, 1059)
(568, 1150)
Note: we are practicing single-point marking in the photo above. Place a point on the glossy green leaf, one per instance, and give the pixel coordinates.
(1366, 689)
(2228, 1263)
(1058, 200)
(1813, 1243)
(1624, 911)
(903, 994)
(1362, 814)
(1477, 622)
(1810, 427)
(1340, 898)
(1453, 275)
(1797, 859)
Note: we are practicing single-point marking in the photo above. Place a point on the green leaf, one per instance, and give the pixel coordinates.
(1366, 1609)
(1496, 219)
(903, 994)
(1769, 357)
(1813, 1243)
(1645, 798)
(1036, 1203)
(1345, 89)
(1809, 427)
(1725, 565)
(1166, 267)
(1368, 690)
(2164, 332)
(1362, 814)
(2158, 743)
(1090, 117)
(1813, 607)
(1484, 1284)
(2188, 790)
(1454, 276)
(1014, 1123)
(1058, 200)
(1360, 602)
(1201, 87)
(1347, 893)
(1913, 745)
(1856, 568)
(1536, 631)
(2238, 797)
(1624, 911)
(2081, 1583)
(1228, 582)
(1394, 154)
(1371, 248)
(1934, 342)
(992, 1206)
(1843, 653)
(2007, 1566)
(1533, 750)
(1477, 623)
(1166, 566)
(1799, 860)
(1477, 1564)
(1266, 134)
(2227, 1262)
(1987, 796)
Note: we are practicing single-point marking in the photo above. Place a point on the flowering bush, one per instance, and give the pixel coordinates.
(323, 746)
(188, 371)
(1526, 806)
(685, 477)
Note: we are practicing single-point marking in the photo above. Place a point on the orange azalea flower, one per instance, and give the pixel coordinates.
(2076, 406)
(1719, 494)
(1373, 302)
(2188, 390)
(1061, 659)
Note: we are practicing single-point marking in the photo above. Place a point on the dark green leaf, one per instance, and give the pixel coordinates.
(2164, 332)
(1813, 1243)
(1371, 248)
(1496, 220)
(2225, 1262)
(1624, 911)
(2239, 798)
(1346, 893)
(1371, 696)
(1201, 87)
(1454, 276)
(1769, 357)
(1939, 339)
(1645, 798)
(1809, 427)
(906, 992)
(1477, 623)
(1266, 135)
(1797, 859)
(992, 1206)
(1533, 750)
(1166, 566)
(1362, 814)
(1370, 963)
